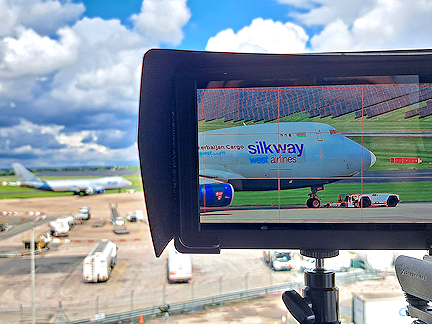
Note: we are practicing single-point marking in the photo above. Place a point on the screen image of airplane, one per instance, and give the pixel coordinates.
(343, 151)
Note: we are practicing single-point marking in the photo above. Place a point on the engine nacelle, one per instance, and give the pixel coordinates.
(216, 195)
(94, 191)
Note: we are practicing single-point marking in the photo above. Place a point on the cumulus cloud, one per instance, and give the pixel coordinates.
(32, 54)
(78, 76)
(261, 36)
(50, 145)
(162, 21)
(365, 25)
(45, 17)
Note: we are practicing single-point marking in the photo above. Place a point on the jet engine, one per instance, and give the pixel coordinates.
(94, 191)
(216, 195)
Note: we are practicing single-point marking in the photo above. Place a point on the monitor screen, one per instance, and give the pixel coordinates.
(328, 150)
(314, 151)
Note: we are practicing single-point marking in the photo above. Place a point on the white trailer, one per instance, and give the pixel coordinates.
(59, 228)
(179, 266)
(84, 212)
(100, 261)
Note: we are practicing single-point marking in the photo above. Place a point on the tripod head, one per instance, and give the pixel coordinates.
(414, 277)
(320, 301)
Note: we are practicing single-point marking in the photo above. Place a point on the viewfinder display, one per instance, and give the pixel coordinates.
(334, 150)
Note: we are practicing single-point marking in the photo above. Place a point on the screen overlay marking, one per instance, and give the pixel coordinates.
(266, 154)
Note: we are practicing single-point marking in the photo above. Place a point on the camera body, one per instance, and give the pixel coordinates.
(215, 128)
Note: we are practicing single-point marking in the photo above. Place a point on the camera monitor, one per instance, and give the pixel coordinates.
(310, 151)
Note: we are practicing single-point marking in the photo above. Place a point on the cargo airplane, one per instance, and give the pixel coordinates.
(77, 186)
(275, 156)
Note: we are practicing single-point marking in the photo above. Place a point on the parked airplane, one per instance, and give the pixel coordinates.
(273, 156)
(77, 186)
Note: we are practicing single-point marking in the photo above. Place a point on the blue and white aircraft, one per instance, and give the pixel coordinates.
(275, 156)
(77, 186)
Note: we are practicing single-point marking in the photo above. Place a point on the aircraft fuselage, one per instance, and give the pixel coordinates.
(280, 155)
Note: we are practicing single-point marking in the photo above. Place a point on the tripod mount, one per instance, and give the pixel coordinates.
(320, 301)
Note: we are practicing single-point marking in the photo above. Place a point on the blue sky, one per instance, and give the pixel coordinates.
(207, 19)
(70, 69)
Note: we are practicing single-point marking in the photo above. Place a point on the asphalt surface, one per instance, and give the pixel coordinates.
(139, 276)
(403, 213)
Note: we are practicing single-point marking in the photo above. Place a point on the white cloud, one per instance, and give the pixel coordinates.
(32, 54)
(365, 25)
(44, 142)
(69, 85)
(263, 36)
(162, 21)
(8, 18)
(335, 37)
(45, 17)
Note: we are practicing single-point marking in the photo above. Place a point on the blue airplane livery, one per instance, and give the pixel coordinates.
(77, 186)
(273, 156)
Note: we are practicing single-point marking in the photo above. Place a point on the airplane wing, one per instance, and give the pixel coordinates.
(217, 176)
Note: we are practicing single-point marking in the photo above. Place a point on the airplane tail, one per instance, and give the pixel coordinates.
(23, 174)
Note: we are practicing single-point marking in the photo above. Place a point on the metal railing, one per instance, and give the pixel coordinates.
(221, 299)
(165, 301)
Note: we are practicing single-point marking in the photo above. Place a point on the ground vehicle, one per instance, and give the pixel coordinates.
(379, 307)
(98, 264)
(4, 227)
(84, 212)
(67, 218)
(135, 216)
(59, 227)
(179, 266)
(278, 260)
(366, 200)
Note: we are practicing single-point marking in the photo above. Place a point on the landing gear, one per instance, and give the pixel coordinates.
(314, 201)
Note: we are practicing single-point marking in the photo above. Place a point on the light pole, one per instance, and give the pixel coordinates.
(32, 267)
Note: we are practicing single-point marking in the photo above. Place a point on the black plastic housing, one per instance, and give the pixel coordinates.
(167, 139)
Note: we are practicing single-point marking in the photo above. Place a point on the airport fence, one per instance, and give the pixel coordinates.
(169, 300)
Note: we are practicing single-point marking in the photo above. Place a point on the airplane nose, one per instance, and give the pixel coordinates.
(368, 158)
(373, 159)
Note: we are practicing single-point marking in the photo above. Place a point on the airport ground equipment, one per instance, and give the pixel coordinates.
(59, 227)
(100, 261)
(278, 260)
(41, 242)
(4, 227)
(179, 266)
(366, 200)
(68, 219)
(118, 221)
(135, 216)
(84, 213)
(320, 301)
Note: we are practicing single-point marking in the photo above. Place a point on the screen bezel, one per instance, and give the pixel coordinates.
(186, 71)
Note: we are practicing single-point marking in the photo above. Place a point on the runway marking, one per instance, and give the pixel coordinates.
(121, 272)
(123, 268)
